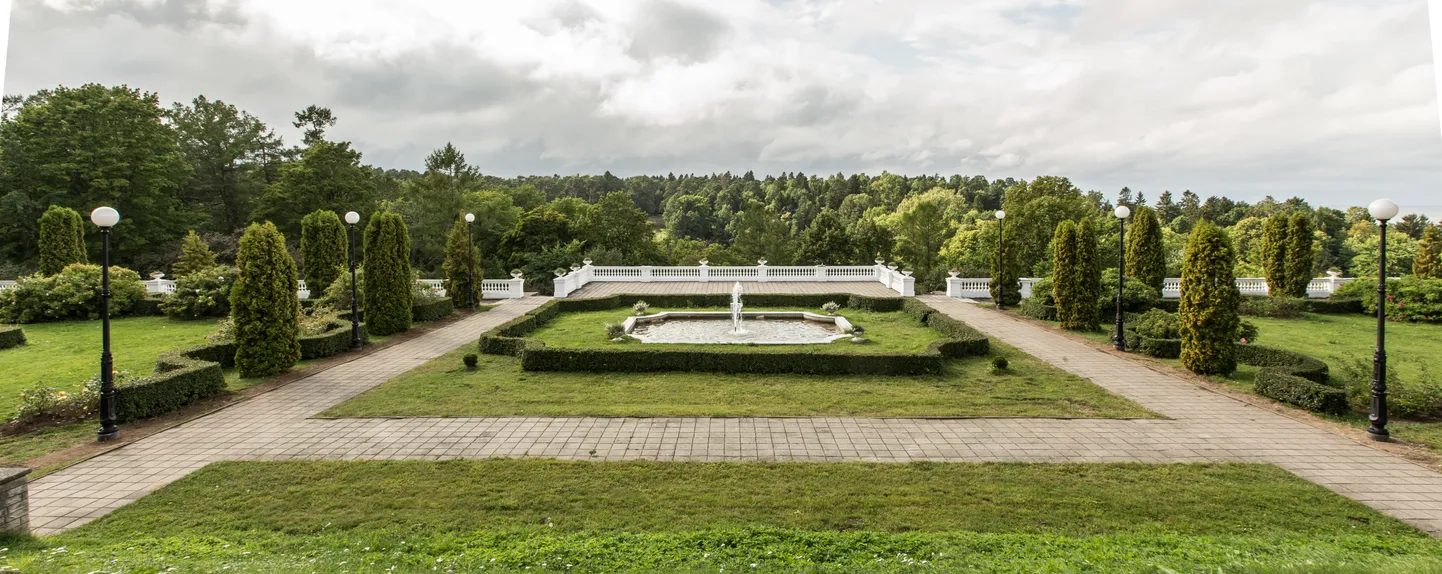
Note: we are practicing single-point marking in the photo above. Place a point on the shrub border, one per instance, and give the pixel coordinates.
(440, 309)
(11, 336)
(510, 339)
(1293, 378)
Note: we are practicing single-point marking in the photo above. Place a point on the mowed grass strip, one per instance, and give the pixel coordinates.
(969, 387)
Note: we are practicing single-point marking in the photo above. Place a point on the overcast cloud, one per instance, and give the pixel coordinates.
(1333, 100)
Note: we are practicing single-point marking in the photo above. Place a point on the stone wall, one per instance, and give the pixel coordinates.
(14, 502)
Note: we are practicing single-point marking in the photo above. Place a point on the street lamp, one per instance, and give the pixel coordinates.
(1122, 212)
(1000, 255)
(106, 218)
(352, 218)
(471, 262)
(1381, 210)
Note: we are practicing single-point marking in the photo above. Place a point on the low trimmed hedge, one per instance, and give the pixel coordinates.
(332, 342)
(1337, 306)
(1293, 378)
(148, 306)
(438, 309)
(509, 338)
(1289, 362)
(1037, 310)
(11, 336)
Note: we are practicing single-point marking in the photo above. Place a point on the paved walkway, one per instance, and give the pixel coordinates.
(1204, 426)
(604, 288)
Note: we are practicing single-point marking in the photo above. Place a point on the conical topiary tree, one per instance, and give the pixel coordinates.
(1088, 276)
(322, 249)
(1146, 258)
(1428, 263)
(62, 239)
(1275, 248)
(264, 304)
(195, 255)
(1299, 254)
(459, 265)
(1209, 321)
(388, 276)
(1064, 276)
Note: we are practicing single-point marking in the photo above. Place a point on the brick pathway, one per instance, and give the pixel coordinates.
(602, 289)
(1204, 426)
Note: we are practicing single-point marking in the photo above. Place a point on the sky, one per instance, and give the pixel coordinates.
(1331, 100)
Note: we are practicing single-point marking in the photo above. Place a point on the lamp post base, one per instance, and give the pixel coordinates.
(108, 436)
(1379, 435)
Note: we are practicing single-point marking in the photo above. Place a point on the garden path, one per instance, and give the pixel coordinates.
(1203, 426)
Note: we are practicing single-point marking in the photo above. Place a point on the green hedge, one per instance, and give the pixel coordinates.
(1337, 306)
(509, 339)
(438, 309)
(11, 336)
(1293, 378)
(1031, 307)
(1288, 362)
(332, 342)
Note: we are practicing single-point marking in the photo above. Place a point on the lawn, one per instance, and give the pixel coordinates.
(544, 515)
(969, 387)
(893, 332)
(66, 354)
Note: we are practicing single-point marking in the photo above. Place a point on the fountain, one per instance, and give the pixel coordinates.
(736, 310)
(766, 328)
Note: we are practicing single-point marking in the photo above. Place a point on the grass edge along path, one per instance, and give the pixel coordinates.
(530, 514)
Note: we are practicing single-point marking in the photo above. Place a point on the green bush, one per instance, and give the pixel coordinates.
(62, 239)
(1031, 307)
(1299, 256)
(195, 255)
(1415, 398)
(1064, 277)
(1278, 307)
(460, 264)
(1088, 276)
(74, 293)
(999, 363)
(334, 340)
(1293, 378)
(181, 378)
(1146, 258)
(471, 360)
(337, 295)
(1275, 251)
(388, 280)
(202, 293)
(148, 306)
(11, 336)
(1209, 302)
(439, 309)
(264, 304)
(1136, 295)
(1288, 362)
(323, 249)
(1336, 305)
(1428, 262)
(1408, 299)
(1042, 292)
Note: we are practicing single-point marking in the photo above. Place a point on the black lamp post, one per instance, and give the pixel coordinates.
(106, 218)
(1381, 210)
(1000, 256)
(352, 218)
(1122, 212)
(470, 262)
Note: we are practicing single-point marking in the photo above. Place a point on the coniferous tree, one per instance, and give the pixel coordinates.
(264, 304)
(323, 249)
(459, 266)
(1299, 254)
(1275, 249)
(1064, 276)
(1088, 276)
(1428, 263)
(1146, 256)
(1208, 309)
(62, 239)
(195, 255)
(388, 274)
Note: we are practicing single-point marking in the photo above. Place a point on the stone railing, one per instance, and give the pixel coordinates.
(980, 288)
(490, 288)
(900, 281)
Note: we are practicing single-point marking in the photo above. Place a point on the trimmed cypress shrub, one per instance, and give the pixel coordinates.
(1209, 303)
(264, 304)
(1146, 258)
(438, 309)
(1088, 276)
(62, 240)
(195, 256)
(388, 280)
(11, 336)
(323, 254)
(1006, 281)
(459, 264)
(1428, 262)
(1275, 250)
(1064, 277)
(1299, 255)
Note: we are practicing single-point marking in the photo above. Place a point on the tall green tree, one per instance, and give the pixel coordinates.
(691, 216)
(1066, 276)
(388, 278)
(1275, 249)
(1428, 262)
(539, 229)
(1088, 276)
(89, 146)
(870, 241)
(264, 305)
(314, 120)
(1209, 303)
(1299, 254)
(825, 242)
(463, 261)
(226, 148)
(1146, 257)
(758, 231)
(923, 223)
(323, 250)
(327, 176)
(616, 224)
(62, 239)
(195, 255)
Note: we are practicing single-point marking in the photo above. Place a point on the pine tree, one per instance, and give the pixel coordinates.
(264, 304)
(388, 276)
(1146, 258)
(1064, 276)
(62, 239)
(1428, 263)
(322, 249)
(1299, 254)
(1209, 303)
(1088, 276)
(195, 255)
(459, 266)
(1275, 248)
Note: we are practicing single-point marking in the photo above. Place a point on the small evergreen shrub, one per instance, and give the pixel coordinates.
(640, 308)
(1299, 256)
(74, 293)
(1427, 264)
(615, 330)
(1136, 295)
(11, 336)
(337, 295)
(999, 363)
(1042, 292)
(195, 256)
(830, 307)
(1278, 307)
(471, 360)
(264, 304)
(1146, 257)
(389, 283)
(201, 293)
(439, 308)
(1088, 276)
(323, 249)
(462, 260)
(62, 239)
(1208, 309)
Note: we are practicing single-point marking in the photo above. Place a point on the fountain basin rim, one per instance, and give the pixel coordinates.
(840, 322)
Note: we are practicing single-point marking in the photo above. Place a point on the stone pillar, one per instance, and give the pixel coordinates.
(14, 501)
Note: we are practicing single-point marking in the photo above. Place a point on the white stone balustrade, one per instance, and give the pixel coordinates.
(900, 282)
(490, 288)
(980, 288)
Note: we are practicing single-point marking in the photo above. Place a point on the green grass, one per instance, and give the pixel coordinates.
(889, 332)
(517, 515)
(66, 354)
(969, 387)
(16, 448)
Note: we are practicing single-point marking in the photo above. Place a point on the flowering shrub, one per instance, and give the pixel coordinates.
(74, 293)
(640, 307)
(203, 293)
(46, 401)
(831, 307)
(1408, 298)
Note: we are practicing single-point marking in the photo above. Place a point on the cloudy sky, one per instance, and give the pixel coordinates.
(1333, 100)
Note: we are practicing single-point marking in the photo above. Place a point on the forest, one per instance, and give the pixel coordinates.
(207, 166)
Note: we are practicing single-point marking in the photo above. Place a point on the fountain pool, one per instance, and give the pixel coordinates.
(723, 328)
